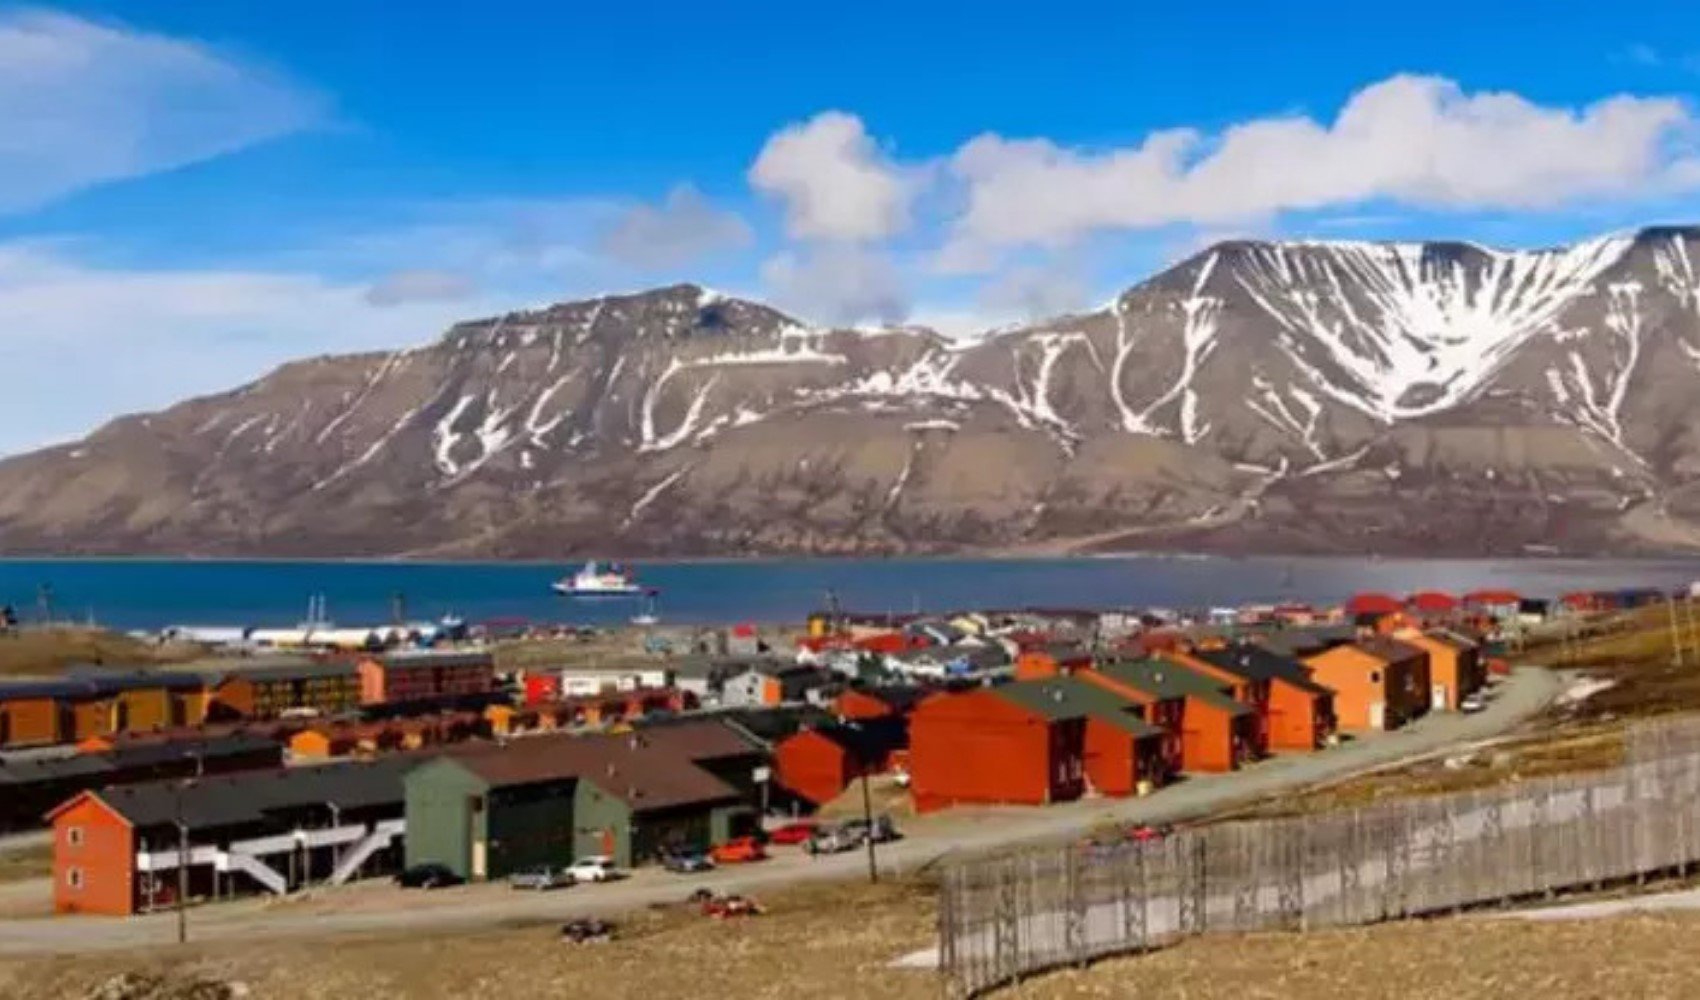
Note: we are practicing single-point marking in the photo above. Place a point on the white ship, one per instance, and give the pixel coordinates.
(600, 580)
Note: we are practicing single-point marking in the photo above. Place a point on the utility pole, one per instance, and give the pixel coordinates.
(868, 818)
(182, 871)
(44, 603)
(1675, 637)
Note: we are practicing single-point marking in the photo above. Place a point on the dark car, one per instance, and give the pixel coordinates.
(882, 830)
(427, 876)
(687, 862)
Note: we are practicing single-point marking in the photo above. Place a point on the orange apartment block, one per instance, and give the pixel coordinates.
(1378, 683)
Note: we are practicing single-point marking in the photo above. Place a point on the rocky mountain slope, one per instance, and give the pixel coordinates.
(1325, 397)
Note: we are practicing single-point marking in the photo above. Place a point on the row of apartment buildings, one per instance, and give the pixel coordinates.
(92, 702)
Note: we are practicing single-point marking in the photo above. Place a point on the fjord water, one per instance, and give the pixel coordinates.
(146, 594)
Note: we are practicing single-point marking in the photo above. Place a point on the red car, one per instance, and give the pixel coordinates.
(737, 851)
(791, 833)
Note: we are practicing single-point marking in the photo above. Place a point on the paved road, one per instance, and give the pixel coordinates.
(375, 908)
(17, 843)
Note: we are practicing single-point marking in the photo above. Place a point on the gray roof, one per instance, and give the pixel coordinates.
(1255, 663)
(437, 658)
(86, 681)
(124, 758)
(257, 797)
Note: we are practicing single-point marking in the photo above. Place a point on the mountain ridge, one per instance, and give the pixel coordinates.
(1435, 397)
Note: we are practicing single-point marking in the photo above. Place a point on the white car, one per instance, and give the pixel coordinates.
(596, 869)
(1473, 702)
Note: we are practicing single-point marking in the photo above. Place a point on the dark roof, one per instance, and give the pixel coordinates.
(96, 682)
(1257, 663)
(651, 768)
(1389, 650)
(252, 797)
(115, 679)
(303, 671)
(901, 697)
(1171, 680)
(868, 739)
(437, 658)
(128, 757)
(1059, 698)
(1063, 652)
(1300, 641)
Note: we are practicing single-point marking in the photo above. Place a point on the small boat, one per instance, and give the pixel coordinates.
(599, 580)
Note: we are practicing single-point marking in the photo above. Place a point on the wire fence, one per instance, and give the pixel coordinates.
(1003, 918)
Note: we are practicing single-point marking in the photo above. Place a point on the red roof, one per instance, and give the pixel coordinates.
(1490, 598)
(744, 631)
(1432, 601)
(890, 642)
(1373, 604)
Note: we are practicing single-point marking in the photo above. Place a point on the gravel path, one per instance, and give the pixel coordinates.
(377, 907)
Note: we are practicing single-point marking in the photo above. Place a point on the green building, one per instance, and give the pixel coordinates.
(486, 812)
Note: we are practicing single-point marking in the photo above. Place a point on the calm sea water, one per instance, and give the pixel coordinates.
(135, 594)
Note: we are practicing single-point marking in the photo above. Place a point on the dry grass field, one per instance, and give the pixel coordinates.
(45, 651)
(838, 942)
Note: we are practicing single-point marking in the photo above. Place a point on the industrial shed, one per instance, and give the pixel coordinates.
(486, 812)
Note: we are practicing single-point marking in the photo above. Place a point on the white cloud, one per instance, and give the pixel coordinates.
(1036, 292)
(420, 285)
(80, 343)
(683, 229)
(1413, 140)
(84, 103)
(834, 180)
(838, 284)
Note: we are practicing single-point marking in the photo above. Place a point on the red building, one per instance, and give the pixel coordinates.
(1051, 660)
(1216, 732)
(1030, 743)
(817, 765)
(876, 702)
(975, 747)
(1295, 712)
(417, 675)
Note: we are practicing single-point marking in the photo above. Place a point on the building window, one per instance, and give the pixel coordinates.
(74, 836)
(1375, 677)
(74, 877)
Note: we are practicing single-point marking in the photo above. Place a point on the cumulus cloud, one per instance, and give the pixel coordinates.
(79, 343)
(85, 103)
(683, 229)
(1414, 140)
(420, 285)
(834, 181)
(1035, 292)
(838, 284)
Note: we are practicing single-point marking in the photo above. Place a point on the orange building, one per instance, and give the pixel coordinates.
(1454, 665)
(416, 675)
(91, 703)
(1050, 660)
(876, 702)
(1216, 732)
(818, 764)
(93, 858)
(1378, 683)
(1295, 712)
(973, 747)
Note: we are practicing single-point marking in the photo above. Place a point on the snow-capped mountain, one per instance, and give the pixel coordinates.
(1293, 396)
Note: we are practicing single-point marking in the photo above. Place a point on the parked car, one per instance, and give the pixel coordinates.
(738, 850)
(723, 907)
(541, 878)
(882, 831)
(427, 876)
(791, 833)
(686, 862)
(1475, 701)
(1145, 833)
(587, 930)
(832, 840)
(593, 869)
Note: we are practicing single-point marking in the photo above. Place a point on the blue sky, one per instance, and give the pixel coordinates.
(194, 190)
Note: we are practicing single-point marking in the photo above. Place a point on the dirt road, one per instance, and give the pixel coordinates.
(375, 907)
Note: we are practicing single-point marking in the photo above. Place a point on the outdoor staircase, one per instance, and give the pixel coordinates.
(257, 870)
(382, 835)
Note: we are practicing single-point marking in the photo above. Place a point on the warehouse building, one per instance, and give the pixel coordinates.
(488, 811)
